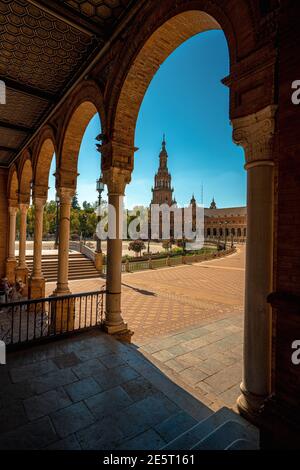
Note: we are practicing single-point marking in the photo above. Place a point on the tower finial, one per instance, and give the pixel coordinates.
(164, 140)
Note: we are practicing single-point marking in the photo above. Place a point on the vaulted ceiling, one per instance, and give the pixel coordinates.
(44, 47)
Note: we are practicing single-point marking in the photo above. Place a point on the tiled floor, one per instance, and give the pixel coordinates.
(91, 392)
(207, 358)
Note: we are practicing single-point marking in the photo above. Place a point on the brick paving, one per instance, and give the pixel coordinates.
(166, 300)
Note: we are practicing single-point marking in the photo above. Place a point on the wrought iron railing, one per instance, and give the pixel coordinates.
(30, 321)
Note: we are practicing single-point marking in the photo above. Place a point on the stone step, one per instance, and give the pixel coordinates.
(225, 435)
(206, 428)
(241, 444)
(80, 267)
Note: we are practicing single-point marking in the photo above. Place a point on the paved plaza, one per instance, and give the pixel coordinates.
(188, 321)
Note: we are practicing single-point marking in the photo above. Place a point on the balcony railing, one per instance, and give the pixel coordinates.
(30, 321)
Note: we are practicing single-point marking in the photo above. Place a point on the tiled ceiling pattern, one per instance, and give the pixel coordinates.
(37, 49)
(43, 45)
(100, 11)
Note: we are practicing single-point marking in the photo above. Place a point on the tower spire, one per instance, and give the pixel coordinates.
(164, 141)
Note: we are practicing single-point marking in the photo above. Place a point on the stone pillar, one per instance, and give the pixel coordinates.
(65, 199)
(37, 280)
(22, 269)
(116, 180)
(99, 262)
(63, 311)
(11, 262)
(255, 133)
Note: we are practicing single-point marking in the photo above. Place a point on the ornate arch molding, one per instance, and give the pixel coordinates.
(87, 91)
(43, 150)
(25, 176)
(13, 185)
(78, 110)
(126, 79)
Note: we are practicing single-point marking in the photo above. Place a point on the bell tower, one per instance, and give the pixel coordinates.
(162, 193)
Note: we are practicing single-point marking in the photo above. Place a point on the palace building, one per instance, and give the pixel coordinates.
(220, 223)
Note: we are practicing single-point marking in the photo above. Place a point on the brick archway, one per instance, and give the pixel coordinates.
(166, 28)
(42, 159)
(86, 101)
(253, 120)
(13, 185)
(25, 178)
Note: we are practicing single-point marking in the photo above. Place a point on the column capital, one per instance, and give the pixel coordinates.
(116, 179)
(23, 207)
(255, 133)
(12, 210)
(39, 202)
(65, 194)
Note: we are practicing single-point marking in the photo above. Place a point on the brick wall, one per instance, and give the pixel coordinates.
(287, 276)
(3, 219)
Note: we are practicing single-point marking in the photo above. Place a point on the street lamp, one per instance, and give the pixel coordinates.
(56, 222)
(100, 189)
(226, 222)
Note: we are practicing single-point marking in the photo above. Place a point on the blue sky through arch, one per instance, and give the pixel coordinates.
(187, 101)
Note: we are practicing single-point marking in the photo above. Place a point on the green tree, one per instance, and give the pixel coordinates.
(137, 246)
(75, 202)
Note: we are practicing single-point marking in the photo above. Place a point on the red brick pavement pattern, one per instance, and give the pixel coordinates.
(159, 302)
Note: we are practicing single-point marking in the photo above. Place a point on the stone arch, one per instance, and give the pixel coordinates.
(13, 185)
(25, 178)
(84, 103)
(239, 232)
(42, 158)
(167, 28)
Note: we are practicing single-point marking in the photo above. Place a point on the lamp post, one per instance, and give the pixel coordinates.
(56, 223)
(100, 189)
(226, 222)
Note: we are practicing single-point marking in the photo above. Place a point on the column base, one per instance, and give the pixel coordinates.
(99, 262)
(61, 291)
(62, 316)
(250, 406)
(10, 270)
(36, 288)
(120, 332)
(22, 275)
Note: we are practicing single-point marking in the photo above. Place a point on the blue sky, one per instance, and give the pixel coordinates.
(187, 101)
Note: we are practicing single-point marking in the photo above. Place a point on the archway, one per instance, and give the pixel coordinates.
(12, 195)
(43, 157)
(134, 79)
(75, 127)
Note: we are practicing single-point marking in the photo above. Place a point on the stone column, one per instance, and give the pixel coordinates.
(65, 198)
(11, 262)
(37, 280)
(116, 180)
(255, 133)
(22, 269)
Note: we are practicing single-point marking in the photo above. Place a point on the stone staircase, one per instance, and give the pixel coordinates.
(80, 267)
(222, 430)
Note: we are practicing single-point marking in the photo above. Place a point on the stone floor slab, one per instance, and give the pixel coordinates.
(42, 405)
(108, 402)
(82, 389)
(71, 419)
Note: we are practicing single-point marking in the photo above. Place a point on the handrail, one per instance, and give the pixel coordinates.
(54, 298)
